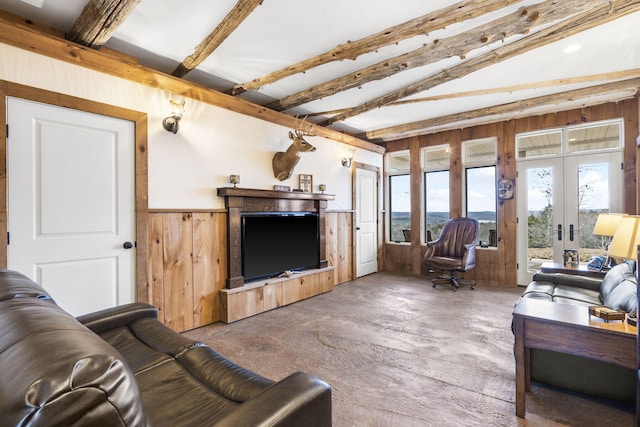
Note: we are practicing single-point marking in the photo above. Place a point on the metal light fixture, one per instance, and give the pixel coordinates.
(234, 179)
(346, 161)
(172, 122)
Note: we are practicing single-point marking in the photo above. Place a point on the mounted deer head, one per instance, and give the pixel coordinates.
(285, 161)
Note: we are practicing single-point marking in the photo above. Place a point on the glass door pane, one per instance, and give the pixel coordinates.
(540, 214)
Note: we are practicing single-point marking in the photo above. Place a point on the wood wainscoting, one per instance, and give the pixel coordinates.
(188, 262)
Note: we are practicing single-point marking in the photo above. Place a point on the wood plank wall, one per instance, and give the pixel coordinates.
(497, 266)
(188, 266)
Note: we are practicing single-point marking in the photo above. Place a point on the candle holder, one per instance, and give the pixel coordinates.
(234, 179)
(322, 187)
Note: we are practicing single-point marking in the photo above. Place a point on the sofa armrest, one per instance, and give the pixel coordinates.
(298, 400)
(114, 317)
(584, 282)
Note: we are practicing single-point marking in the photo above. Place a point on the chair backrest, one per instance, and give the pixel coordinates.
(457, 233)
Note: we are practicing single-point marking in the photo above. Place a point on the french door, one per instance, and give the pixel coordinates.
(559, 201)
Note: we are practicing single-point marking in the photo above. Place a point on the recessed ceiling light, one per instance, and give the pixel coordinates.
(572, 48)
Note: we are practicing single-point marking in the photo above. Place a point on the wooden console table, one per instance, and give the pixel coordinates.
(580, 270)
(567, 328)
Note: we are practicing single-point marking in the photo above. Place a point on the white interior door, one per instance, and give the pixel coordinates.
(71, 203)
(366, 247)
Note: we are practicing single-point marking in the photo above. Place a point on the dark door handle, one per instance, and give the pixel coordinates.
(127, 245)
(559, 231)
(357, 228)
(571, 232)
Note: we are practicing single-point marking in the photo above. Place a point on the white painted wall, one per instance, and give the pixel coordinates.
(185, 169)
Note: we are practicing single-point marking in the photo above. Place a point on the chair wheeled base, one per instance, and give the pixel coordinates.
(455, 281)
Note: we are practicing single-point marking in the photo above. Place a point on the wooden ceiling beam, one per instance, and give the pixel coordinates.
(28, 38)
(423, 127)
(99, 20)
(423, 25)
(519, 22)
(234, 18)
(597, 15)
(603, 77)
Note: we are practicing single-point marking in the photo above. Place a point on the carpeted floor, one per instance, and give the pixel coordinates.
(398, 352)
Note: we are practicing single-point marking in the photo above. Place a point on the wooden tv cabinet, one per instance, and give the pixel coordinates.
(258, 297)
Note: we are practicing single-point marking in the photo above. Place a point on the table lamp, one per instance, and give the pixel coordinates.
(606, 225)
(626, 238)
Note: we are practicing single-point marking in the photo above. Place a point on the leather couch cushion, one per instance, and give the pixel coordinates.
(613, 278)
(16, 285)
(71, 377)
(579, 295)
(623, 296)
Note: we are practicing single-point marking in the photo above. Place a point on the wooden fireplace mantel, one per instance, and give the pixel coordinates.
(239, 200)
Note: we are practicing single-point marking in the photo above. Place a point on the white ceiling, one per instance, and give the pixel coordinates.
(161, 33)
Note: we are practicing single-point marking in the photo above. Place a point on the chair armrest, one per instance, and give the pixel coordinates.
(298, 400)
(114, 317)
(592, 283)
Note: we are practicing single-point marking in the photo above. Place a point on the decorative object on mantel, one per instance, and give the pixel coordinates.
(234, 179)
(172, 122)
(282, 187)
(306, 183)
(284, 161)
(322, 188)
(346, 161)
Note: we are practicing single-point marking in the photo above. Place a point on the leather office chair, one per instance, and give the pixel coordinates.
(453, 252)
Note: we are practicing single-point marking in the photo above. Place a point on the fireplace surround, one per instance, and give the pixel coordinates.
(245, 200)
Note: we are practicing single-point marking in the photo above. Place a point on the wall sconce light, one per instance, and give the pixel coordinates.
(172, 123)
(346, 161)
(234, 179)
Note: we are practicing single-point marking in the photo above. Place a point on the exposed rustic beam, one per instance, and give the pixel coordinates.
(520, 22)
(615, 75)
(25, 37)
(598, 15)
(422, 127)
(239, 13)
(99, 20)
(458, 12)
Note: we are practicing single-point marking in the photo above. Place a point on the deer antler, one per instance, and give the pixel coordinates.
(300, 127)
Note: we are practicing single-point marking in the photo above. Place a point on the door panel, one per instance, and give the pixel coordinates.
(71, 203)
(559, 204)
(366, 222)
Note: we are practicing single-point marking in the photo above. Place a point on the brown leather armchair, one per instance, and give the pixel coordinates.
(454, 251)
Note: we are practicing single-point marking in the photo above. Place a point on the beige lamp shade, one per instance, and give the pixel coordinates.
(607, 223)
(626, 238)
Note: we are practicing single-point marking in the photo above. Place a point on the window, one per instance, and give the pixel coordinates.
(479, 158)
(399, 196)
(436, 190)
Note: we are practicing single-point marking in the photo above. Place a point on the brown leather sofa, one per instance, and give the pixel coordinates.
(122, 367)
(617, 290)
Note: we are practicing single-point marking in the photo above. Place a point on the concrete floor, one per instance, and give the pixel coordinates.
(398, 352)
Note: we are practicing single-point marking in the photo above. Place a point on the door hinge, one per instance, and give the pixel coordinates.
(8, 238)
(7, 130)
(622, 166)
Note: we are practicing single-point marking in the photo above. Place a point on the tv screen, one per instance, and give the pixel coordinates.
(273, 243)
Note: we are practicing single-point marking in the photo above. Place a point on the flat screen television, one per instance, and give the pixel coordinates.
(273, 243)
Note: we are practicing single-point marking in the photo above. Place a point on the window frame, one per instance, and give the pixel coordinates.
(470, 164)
(425, 169)
(389, 174)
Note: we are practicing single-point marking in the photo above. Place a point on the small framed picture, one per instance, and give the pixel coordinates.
(306, 183)
(505, 189)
